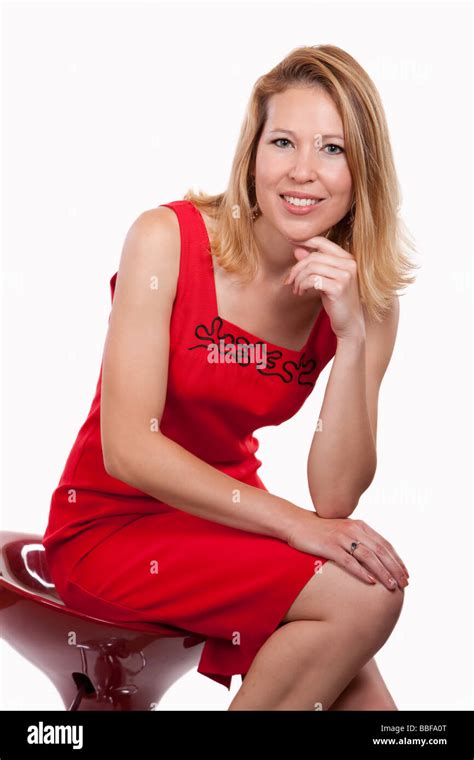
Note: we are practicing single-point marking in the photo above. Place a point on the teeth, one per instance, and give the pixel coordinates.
(300, 201)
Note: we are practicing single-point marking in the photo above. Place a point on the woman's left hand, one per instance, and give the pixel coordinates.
(332, 271)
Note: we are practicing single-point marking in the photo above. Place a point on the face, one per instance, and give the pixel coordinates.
(301, 151)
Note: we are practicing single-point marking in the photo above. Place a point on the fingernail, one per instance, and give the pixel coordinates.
(371, 579)
(392, 582)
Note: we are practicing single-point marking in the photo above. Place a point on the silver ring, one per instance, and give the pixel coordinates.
(354, 546)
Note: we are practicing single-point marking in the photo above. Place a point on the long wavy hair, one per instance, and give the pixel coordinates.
(373, 230)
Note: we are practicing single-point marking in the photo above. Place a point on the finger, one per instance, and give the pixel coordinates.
(394, 567)
(311, 271)
(322, 243)
(387, 555)
(366, 556)
(348, 562)
(318, 256)
(378, 539)
(389, 548)
(317, 282)
(322, 284)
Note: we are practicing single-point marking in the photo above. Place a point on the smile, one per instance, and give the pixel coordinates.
(301, 201)
(300, 205)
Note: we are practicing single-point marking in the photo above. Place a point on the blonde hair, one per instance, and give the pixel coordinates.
(376, 235)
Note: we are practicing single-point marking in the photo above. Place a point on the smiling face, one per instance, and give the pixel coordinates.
(301, 153)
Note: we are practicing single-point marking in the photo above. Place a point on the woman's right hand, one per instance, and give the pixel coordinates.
(332, 538)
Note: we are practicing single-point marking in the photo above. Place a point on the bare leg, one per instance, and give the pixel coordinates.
(306, 664)
(367, 691)
(331, 632)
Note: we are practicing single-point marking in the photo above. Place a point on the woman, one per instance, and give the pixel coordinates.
(225, 310)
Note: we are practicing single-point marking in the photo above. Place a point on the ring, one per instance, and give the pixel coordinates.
(354, 546)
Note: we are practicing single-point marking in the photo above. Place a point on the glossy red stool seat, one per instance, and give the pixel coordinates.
(94, 664)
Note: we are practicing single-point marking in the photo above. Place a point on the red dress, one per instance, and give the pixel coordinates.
(226, 586)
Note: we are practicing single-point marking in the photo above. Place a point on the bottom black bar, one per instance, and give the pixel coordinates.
(411, 734)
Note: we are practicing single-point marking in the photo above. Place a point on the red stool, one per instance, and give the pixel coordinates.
(94, 664)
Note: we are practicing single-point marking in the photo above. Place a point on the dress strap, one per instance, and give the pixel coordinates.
(195, 281)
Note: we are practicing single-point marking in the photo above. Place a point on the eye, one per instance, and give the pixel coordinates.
(281, 139)
(332, 145)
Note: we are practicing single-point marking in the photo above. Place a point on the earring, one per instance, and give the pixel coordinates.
(255, 212)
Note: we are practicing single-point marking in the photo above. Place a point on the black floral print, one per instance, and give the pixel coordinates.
(287, 370)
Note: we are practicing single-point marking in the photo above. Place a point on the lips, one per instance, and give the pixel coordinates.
(301, 209)
(313, 201)
(302, 196)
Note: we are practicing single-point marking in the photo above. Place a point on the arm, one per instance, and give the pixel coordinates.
(134, 384)
(342, 460)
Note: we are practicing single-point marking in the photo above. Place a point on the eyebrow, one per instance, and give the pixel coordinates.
(289, 132)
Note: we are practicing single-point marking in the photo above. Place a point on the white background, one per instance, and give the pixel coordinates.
(110, 109)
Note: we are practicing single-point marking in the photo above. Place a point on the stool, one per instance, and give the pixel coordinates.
(94, 664)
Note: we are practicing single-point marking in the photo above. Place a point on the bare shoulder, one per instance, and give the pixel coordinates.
(156, 224)
(152, 249)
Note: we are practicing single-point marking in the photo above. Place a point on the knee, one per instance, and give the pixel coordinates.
(338, 596)
(388, 604)
(365, 606)
(377, 609)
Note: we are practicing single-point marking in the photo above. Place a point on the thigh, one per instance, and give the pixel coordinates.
(335, 594)
(181, 570)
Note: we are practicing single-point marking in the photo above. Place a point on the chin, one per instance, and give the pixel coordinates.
(295, 230)
(299, 236)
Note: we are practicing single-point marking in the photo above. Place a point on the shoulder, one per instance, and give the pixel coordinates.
(160, 222)
(152, 248)
(155, 234)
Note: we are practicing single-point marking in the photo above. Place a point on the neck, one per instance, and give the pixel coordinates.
(275, 253)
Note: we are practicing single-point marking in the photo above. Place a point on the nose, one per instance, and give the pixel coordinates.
(305, 165)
